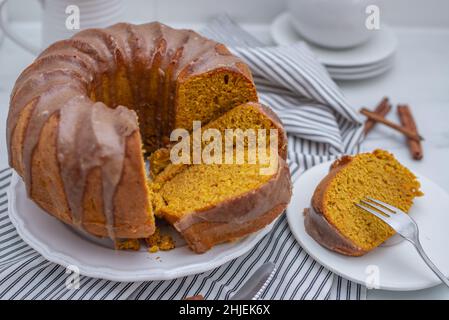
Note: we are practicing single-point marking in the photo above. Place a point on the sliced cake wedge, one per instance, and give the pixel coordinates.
(336, 223)
(211, 203)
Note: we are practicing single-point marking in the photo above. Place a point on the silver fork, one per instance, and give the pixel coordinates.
(403, 224)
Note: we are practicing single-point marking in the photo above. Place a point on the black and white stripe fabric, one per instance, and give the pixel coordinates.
(321, 126)
(25, 274)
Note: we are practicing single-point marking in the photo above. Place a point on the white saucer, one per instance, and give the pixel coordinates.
(382, 45)
(399, 266)
(61, 245)
(361, 72)
(387, 63)
(359, 76)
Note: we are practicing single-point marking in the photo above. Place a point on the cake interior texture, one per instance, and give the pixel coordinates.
(207, 97)
(198, 98)
(181, 189)
(378, 175)
(243, 117)
(205, 185)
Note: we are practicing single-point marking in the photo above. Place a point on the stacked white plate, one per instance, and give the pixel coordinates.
(370, 59)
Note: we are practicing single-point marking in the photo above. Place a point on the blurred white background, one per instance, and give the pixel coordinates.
(431, 13)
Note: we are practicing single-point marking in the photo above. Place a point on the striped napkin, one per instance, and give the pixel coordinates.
(321, 126)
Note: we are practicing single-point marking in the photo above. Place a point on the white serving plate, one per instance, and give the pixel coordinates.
(62, 245)
(398, 264)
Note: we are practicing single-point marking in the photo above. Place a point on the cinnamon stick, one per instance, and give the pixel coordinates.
(382, 109)
(407, 121)
(407, 132)
(197, 297)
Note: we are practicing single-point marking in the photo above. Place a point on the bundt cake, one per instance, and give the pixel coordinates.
(216, 202)
(336, 223)
(80, 113)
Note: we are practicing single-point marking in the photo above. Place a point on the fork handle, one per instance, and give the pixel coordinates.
(429, 263)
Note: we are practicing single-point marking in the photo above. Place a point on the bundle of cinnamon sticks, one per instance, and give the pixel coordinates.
(407, 124)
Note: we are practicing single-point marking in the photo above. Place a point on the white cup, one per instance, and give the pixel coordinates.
(331, 23)
(55, 16)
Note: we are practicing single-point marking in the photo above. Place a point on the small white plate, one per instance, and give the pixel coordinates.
(61, 245)
(388, 63)
(398, 266)
(359, 76)
(380, 47)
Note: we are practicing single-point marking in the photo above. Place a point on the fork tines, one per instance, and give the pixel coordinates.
(389, 214)
(380, 209)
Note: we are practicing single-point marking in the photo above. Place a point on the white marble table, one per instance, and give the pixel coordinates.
(420, 78)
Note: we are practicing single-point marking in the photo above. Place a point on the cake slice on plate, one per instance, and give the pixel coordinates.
(336, 223)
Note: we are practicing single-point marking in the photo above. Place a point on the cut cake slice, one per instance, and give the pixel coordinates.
(336, 223)
(218, 202)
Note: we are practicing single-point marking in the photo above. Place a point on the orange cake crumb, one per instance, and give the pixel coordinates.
(158, 241)
(127, 244)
